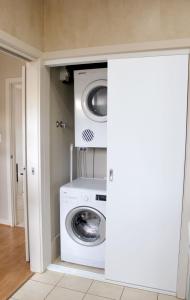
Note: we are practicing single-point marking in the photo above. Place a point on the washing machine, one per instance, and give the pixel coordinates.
(90, 89)
(83, 222)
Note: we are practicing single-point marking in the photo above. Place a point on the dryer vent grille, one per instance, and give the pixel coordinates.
(87, 135)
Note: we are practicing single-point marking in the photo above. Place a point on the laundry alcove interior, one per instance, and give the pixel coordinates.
(87, 162)
(143, 163)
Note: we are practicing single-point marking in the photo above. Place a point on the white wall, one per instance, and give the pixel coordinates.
(9, 67)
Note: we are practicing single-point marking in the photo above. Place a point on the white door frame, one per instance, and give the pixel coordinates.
(24, 50)
(183, 254)
(11, 83)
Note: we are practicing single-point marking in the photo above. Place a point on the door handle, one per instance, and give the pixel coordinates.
(16, 172)
(111, 175)
(24, 169)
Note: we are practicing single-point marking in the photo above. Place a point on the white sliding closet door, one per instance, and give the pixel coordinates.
(147, 102)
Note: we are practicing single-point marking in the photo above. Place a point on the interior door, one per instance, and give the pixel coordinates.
(19, 153)
(24, 172)
(147, 102)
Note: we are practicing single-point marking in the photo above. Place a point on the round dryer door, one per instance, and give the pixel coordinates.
(94, 101)
(86, 226)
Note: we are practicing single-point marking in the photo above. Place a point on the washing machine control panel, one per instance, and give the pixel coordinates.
(86, 198)
(93, 197)
(101, 197)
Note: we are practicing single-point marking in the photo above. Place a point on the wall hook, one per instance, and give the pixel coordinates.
(61, 124)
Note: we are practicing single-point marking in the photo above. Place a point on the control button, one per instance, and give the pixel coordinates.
(85, 198)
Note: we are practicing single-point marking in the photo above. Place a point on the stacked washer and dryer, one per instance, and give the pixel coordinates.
(83, 201)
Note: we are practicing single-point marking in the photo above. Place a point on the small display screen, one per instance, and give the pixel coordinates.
(101, 197)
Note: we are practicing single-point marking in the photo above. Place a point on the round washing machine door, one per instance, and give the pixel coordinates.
(94, 101)
(86, 226)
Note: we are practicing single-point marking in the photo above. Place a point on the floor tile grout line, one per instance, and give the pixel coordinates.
(50, 292)
(90, 286)
(74, 290)
(46, 283)
(86, 293)
(60, 279)
(67, 288)
(43, 283)
(101, 296)
(122, 293)
(156, 294)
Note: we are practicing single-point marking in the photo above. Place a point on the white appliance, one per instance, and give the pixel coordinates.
(90, 87)
(83, 222)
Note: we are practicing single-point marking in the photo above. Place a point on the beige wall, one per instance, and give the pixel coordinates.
(70, 24)
(10, 67)
(23, 19)
(73, 24)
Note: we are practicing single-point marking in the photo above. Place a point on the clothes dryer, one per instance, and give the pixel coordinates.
(90, 88)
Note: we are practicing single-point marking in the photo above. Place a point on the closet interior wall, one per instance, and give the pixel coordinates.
(91, 163)
(61, 109)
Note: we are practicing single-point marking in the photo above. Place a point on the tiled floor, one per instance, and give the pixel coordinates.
(57, 286)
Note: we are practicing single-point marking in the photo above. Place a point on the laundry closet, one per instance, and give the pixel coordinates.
(78, 150)
(140, 156)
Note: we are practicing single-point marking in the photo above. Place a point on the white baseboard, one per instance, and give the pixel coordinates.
(77, 272)
(5, 222)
